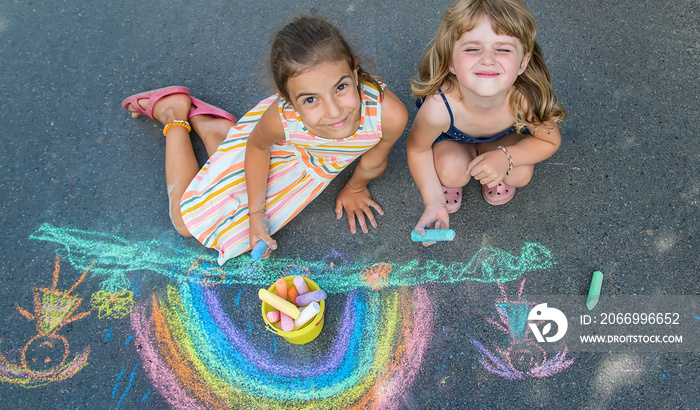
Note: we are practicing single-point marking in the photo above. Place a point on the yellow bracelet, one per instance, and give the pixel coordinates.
(177, 123)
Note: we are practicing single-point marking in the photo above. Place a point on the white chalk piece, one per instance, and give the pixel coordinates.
(300, 285)
(307, 314)
(433, 235)
(307, 298)
(258, 251)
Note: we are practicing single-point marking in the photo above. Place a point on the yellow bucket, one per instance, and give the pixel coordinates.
(306, 333)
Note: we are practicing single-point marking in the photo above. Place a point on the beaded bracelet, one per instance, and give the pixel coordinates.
(177, 123)
(510, 159)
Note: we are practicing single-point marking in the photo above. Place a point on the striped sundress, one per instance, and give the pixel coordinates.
(215, 204)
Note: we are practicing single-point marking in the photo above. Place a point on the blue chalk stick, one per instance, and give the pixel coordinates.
(433, 235)
(258, 251)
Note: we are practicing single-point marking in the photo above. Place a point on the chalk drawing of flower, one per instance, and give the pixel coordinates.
(115, 305)
(205, 272)
(376, 275)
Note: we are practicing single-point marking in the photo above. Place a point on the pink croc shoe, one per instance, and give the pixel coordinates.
(200, 107)
(153, 96)
(498, 195)
(453, 199)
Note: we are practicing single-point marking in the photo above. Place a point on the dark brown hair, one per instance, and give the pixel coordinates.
(307, 42)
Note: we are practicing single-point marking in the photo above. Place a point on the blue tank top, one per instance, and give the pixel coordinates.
(455, 134)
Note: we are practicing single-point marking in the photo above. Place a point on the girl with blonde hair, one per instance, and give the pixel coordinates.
(487, 107)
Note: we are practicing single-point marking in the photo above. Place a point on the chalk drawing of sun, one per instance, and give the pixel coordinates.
(44, 359)
(376, 275)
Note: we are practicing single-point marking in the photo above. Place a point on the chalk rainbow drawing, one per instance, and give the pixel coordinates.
(523, 357)
(53, 309)
(196, 356)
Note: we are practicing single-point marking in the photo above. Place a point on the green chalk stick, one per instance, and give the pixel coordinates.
(433, 235)
(594, 290)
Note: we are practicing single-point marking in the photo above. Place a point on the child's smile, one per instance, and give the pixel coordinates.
(487, 64)
(327, 99)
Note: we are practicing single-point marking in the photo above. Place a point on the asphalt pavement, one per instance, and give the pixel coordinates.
(82, 188)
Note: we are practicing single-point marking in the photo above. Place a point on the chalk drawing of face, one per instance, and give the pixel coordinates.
(44, 353)
(525, 355)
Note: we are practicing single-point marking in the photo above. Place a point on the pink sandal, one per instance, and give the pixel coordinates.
(453, 199)
(498, 195)
(200, 107)
(153, 97)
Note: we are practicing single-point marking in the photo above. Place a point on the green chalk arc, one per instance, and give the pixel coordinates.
(113, 257)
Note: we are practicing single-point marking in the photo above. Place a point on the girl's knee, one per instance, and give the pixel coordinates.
(180, 227)
(452, 153)
(520, 176)
(177, 221)
(451, 162)
(453, 178)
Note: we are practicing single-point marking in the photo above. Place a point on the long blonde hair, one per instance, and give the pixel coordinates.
(533, 100)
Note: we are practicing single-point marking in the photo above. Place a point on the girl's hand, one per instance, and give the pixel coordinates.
(357, 204)
(489, 168)
(258, 232)
(434, 216)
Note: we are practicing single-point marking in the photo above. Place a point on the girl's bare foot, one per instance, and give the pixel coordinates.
(211, 130)
(210, 123)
